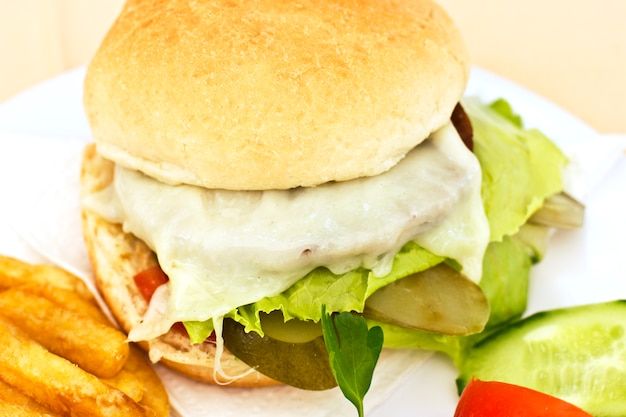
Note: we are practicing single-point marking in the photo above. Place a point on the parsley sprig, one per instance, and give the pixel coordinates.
(353, 351)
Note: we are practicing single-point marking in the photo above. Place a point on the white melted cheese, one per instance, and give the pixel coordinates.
(223, 249)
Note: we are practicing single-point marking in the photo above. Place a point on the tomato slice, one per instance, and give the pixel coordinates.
(500, 399)
(148, 280)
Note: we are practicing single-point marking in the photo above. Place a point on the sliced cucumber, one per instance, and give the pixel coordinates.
(577, 354)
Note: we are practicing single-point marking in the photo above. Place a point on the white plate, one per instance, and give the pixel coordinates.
(43, 130)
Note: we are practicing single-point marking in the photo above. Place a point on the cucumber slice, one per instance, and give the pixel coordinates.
(577, 354)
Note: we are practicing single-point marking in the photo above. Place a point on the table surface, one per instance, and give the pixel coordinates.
(572, 52)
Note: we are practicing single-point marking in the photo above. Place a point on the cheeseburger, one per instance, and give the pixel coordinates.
(255, 161)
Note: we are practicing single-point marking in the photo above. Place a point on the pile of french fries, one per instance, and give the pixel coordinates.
(61, 356)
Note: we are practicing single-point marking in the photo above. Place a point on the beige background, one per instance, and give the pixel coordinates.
(571, 51)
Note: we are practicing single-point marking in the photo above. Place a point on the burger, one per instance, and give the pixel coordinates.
(256, 162)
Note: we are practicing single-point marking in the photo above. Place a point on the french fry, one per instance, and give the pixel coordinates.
(54, 320)
(8, 409)
(69, 300)
(14, 273)
(139, 381)
(155, 397)
(15, 403)
(56, 383)
(95, 347)
(126, 382)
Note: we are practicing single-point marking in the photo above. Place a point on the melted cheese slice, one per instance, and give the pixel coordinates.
(224, 249)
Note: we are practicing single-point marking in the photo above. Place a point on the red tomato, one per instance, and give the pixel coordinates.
(148, 280)
(500, 399)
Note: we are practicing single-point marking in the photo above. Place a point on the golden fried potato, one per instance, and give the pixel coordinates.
(95, 347)
(56, 383)
(126, 382)
(14, 273)
(69, 300)
(50, 322)
(8, 409)
(139, 381)
(15, 403)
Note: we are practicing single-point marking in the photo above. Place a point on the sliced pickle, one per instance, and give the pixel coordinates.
(561, 211)
(438, 300)
(535, 237)
(302, 365)
(291, 331)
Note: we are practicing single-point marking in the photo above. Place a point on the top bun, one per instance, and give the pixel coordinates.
(272, 94)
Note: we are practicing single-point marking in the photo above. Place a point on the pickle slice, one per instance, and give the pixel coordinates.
(438, 300)
(291, 331)
(561, 211)
(302, 365)
(535, 237)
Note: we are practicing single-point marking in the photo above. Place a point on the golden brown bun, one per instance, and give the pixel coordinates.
(272, 94)
(116, 257)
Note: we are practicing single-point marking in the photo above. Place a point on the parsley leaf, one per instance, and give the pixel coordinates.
(353, 351)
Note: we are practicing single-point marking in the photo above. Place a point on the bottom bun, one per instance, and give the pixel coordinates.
(116, 257)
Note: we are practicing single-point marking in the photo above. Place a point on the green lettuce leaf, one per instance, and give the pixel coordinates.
(346, 292)
(521, 168)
